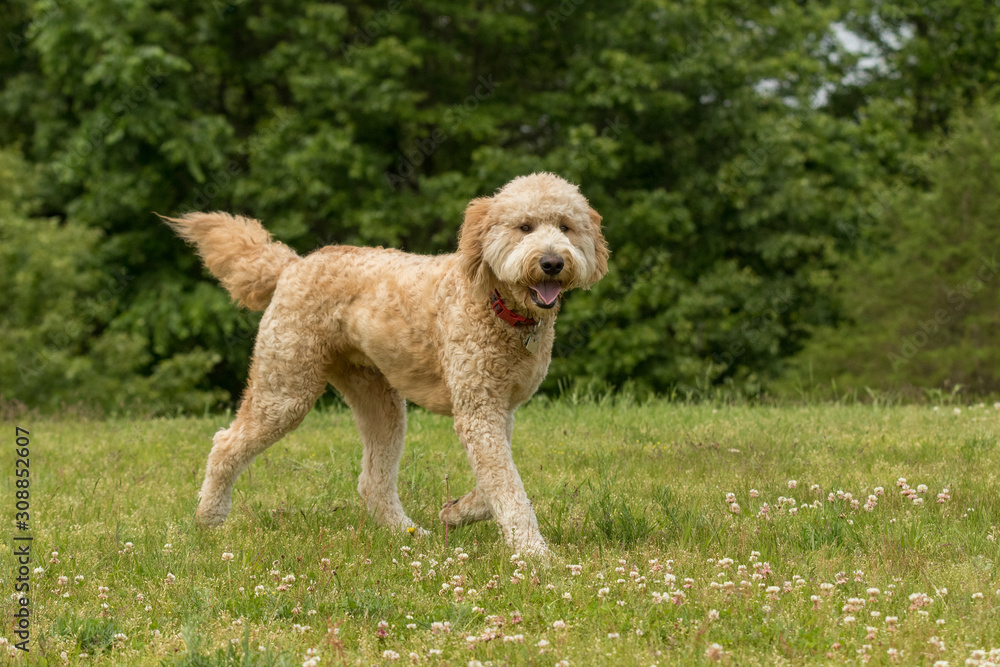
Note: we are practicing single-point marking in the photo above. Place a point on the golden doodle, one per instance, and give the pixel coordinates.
(467, 334)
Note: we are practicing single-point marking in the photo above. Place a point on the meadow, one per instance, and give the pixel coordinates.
(680, 535)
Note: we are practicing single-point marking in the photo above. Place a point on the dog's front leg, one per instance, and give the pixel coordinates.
(473, 506)
(482, 428)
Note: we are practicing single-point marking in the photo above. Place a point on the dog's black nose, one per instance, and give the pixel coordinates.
(552, 264)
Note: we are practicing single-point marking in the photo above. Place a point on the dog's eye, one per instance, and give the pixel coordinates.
(525, 228)
(563, 228)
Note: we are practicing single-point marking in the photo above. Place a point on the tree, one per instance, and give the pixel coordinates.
(924, 314)
(698, 130)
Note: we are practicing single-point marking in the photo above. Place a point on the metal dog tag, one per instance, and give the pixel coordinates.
(531, 341)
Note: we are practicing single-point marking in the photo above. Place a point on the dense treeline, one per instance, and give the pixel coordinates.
(752, 162)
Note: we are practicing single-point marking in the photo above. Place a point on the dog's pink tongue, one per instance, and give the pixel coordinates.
(548, 292)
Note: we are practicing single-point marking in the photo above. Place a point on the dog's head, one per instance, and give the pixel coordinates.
(536, 237)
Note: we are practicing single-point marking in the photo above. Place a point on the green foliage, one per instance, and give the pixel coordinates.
(736, 150)
(925, 314)
(61, 345)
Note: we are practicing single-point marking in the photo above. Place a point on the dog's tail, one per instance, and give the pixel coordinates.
(239, 252)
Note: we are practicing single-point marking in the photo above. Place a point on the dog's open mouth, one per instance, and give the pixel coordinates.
(546, 294)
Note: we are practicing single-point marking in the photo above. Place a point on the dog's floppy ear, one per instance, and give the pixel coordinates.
(600, 246)
(470, 242)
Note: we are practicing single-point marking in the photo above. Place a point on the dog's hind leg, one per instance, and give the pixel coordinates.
(380, 414)
(288, 374)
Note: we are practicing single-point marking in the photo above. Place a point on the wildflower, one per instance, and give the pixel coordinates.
(567, 596)
(879, 491)
(713, 614)
(603, 592)
(714, 652)
(542, 643)
(754, 493)
(170, 578)
(390, 655)
(977, 596)
(734, 508)
(559, 625)
(167, 548)
(575, 570)
(227, 556)
(792, 484)
(894, 653)
(613, 635)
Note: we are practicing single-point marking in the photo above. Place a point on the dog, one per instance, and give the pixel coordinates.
(468, 335)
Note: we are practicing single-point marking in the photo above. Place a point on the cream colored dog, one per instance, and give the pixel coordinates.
(467, 334)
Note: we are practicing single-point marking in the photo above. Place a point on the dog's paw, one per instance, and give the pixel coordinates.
(451, 514)
(209, 520)
(534, 548)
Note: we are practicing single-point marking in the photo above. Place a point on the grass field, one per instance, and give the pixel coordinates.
(651, 564)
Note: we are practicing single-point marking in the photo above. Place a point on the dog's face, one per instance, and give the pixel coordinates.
(537, 237)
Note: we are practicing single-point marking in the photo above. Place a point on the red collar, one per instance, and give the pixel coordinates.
(507, 315)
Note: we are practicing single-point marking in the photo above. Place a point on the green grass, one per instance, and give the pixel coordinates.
(635, 495)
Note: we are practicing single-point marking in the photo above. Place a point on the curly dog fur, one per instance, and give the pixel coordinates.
(385, 327)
